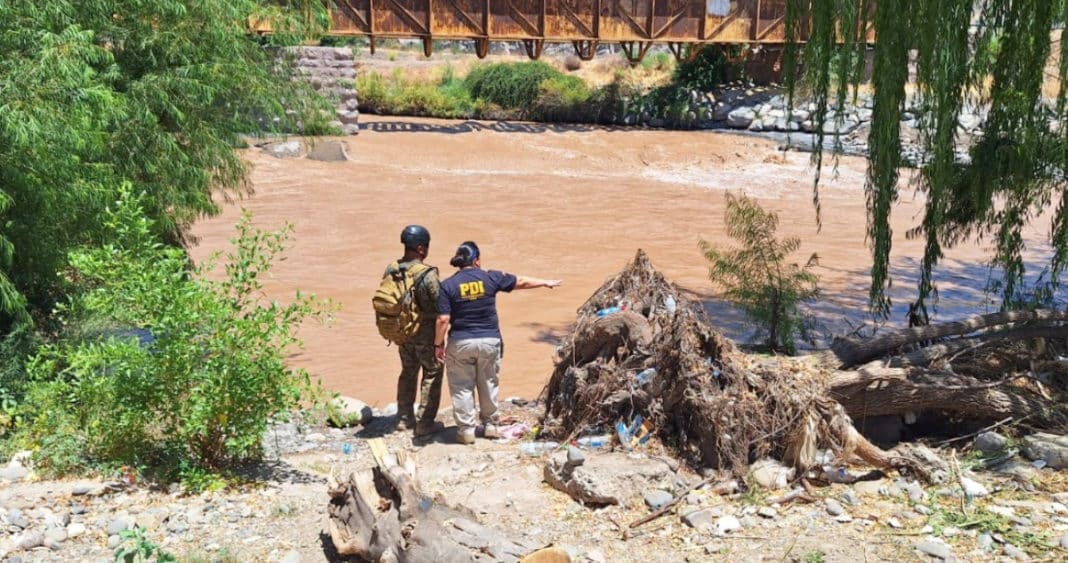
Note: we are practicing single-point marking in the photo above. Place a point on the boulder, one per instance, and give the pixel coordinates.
(14, 472)
(741, 118)
(990, 442)
(721, 112)
(343, 412)
(1050, 448)
(610, 478)
(285, 149)
(328, 151)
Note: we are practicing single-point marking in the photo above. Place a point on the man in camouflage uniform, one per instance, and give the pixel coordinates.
(418, 351)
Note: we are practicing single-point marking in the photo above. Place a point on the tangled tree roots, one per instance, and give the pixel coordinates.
(719, 406)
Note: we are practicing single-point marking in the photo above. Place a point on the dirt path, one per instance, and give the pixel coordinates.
(567, 202)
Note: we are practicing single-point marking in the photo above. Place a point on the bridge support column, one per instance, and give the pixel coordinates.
(481, 47)
(428, 46)
(534, 48)
(635, 50)
(585, 48)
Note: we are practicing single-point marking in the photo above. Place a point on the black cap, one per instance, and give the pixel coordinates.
(414, 236)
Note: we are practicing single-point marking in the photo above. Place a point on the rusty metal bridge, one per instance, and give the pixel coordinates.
(634, 24)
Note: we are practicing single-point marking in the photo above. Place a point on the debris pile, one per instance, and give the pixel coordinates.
(641, 347)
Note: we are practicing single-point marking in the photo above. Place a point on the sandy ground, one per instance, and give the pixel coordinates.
(570, 202)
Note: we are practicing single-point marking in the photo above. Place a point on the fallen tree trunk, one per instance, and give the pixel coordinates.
(891, 391)
(924, 356)
(385, 517)
(853, 351)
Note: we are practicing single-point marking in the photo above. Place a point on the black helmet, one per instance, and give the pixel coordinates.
(414, 236)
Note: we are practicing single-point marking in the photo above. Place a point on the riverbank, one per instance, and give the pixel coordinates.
(280, 514)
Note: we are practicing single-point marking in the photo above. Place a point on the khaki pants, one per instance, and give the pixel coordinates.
(473, 364)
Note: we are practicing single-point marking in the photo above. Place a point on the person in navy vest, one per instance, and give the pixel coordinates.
(467, 313)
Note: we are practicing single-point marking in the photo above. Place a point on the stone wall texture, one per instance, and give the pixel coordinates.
(332, 72)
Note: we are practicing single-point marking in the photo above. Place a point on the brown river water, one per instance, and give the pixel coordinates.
(563, 202)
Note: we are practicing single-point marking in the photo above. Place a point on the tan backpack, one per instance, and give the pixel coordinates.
(396, 310)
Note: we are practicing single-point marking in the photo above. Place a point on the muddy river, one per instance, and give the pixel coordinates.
(563, 202)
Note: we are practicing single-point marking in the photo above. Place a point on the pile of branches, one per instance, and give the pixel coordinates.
(716, 404)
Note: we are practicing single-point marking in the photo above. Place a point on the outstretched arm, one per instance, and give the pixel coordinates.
(525, 282)
(441, 329)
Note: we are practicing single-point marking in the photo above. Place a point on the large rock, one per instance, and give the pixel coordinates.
(721, 112)
(610, 478)
(343, 412)
(990, 442)
(741, 118)
(286, 149)
(328, 151)
(1050, 448)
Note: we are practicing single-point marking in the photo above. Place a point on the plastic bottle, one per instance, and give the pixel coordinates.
(645, 376)
(601, 441)
(670, 304)
(537, 448)
(610, 310)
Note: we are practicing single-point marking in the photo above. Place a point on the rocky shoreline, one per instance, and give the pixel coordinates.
(1014, 506)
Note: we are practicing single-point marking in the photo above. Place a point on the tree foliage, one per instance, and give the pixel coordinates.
(757, 277)
(986, 56)
(162, 366)
(95, 93)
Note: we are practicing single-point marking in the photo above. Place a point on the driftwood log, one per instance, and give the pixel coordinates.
(383, 516)
(854, 351)
(877, 391)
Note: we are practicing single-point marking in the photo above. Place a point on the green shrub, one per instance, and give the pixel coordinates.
(399, 95)
(561, 98)
(709, 68)
(756, 277)
(510, 85)
(657, 61)
(671, 103)
(164, 368)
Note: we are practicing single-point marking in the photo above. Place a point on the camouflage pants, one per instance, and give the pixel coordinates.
(415, 354)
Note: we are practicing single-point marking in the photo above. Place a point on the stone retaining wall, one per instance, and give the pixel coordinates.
(331, 71)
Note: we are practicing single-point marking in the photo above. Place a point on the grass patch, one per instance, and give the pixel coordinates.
(397, 94)
(983, 521)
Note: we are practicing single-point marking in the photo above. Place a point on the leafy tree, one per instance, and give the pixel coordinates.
(164, 367)
(757, 277)
(990, 54)
(94, 93)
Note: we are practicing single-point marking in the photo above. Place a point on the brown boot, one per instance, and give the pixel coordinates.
(427, 427)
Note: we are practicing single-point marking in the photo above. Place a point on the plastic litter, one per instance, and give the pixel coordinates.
(645, 376)
(609, 310)
(534, 449)
(602, 441)
(513, 431)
